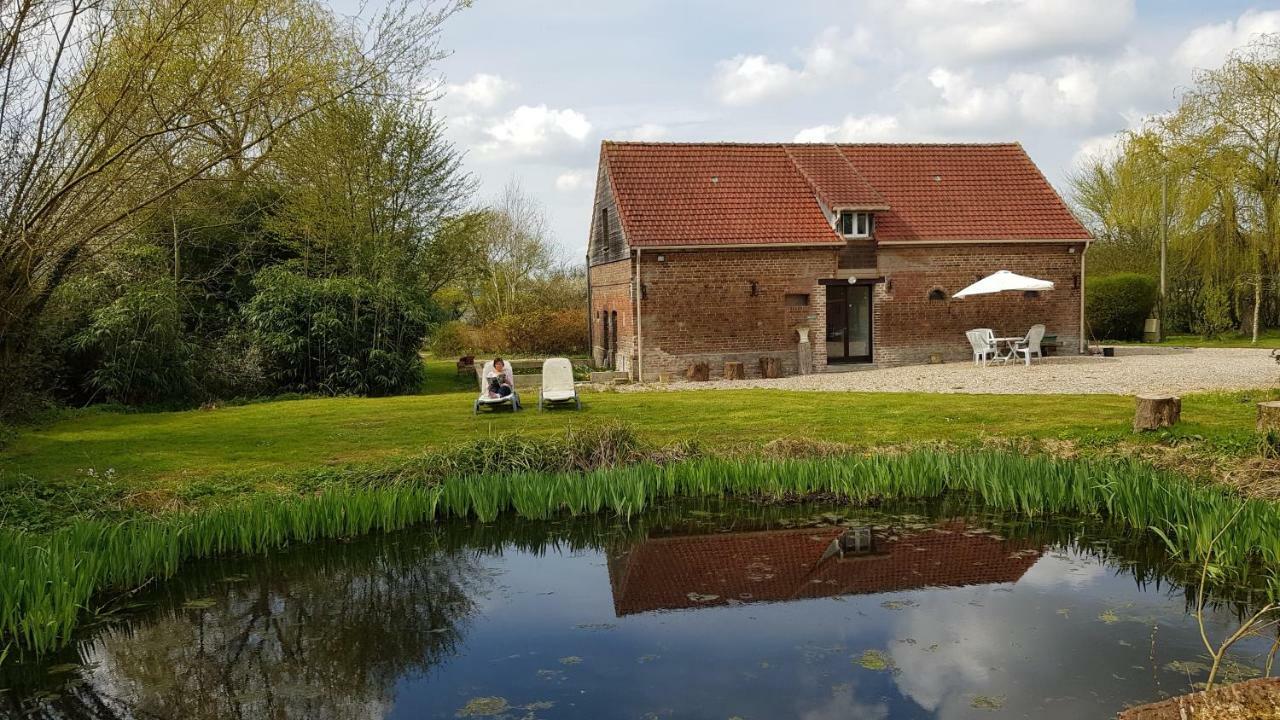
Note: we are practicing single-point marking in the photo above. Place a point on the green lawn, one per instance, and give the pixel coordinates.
(161, 450)
(1268, 339)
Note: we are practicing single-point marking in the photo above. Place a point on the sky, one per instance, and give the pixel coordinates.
(533, 86)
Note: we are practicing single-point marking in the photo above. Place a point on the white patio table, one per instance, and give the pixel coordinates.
(1008, 343)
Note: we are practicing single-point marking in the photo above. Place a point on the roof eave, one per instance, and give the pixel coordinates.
(985, 241)
(863, 207)
(737, 246)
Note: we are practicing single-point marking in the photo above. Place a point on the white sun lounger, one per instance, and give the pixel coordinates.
(557, 383)
(485, 401)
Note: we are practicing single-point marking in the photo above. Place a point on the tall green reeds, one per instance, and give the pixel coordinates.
(48, 581)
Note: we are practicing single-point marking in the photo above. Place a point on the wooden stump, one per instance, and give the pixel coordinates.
(1156, 411)
(1269, 416)
(734, 371)
(770, 367)
(699, 371)
(804, 355)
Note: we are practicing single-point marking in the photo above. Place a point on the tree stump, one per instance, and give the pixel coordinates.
(700, 372)
(734, 371)
(770, 367)
(1156, 411)
(1269, 416)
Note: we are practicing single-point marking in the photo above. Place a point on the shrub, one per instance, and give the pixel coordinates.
(1115, 306)
(337, 335)
(142, 353)
(459, 338)
(232, 367)
(545, 332)
(537, 332)
(1214, 316)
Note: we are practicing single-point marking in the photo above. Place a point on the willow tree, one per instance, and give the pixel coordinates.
(1225, 135)
(109, 107)
(1126, 198)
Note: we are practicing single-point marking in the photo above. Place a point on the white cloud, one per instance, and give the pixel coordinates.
(532, 130)
(1097, 147)
(483, 90)
(1070, 93)
(746, 79)
(1071, 98)
(570, 180)
(960, 30)
(1208, 45)
(967, 103)
(647, 132)
(855, 128)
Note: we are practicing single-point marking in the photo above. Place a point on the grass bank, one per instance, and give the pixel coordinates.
(50, 581)
(162, 453)
(1267, 339)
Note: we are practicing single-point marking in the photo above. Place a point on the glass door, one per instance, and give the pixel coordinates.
(848, 323)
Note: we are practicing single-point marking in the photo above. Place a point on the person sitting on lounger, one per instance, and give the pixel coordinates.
(499, 383)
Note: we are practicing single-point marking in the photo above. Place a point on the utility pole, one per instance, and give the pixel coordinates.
(1164, 245)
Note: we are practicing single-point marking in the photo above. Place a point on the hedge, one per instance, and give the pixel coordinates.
(1116, 306)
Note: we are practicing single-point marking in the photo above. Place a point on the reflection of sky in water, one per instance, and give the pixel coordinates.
(585, 634)
(1069, 639)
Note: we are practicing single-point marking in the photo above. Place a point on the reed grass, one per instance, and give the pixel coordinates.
(48, 581)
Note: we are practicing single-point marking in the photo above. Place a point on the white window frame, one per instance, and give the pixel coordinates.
(859, 218)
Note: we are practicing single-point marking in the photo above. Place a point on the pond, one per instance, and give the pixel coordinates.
(707, 610)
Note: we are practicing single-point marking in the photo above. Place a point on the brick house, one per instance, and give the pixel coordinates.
(717, 252)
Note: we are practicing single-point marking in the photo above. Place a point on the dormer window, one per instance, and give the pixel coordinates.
(854, 224)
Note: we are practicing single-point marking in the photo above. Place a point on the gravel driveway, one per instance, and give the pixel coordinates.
(1133, 371)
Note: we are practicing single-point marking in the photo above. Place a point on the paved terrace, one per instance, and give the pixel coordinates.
(1133, 371)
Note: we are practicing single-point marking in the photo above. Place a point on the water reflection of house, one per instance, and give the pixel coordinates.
(687, 571)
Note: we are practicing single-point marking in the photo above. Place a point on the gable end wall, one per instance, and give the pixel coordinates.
(610, 247)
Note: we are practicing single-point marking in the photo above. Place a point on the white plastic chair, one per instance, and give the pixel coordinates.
(983, 341)
(557, 383)
(1030, 345)
(485, 401)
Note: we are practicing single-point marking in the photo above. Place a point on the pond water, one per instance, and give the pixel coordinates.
(688, 611)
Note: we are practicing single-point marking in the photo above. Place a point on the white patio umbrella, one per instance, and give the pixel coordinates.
(1002, 281)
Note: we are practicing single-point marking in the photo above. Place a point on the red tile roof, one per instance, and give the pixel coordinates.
(725, 193)
(833, 178)
(963, 192)
(675, 194)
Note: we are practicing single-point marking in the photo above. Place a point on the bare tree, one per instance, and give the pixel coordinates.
(517, 249)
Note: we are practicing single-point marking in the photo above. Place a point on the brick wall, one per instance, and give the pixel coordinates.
(610, 293)
(909, 326)
(698, 307)
(859, 253)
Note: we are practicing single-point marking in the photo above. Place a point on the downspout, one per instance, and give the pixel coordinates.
(639, 334)
(591, 315)
(1084, 338)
